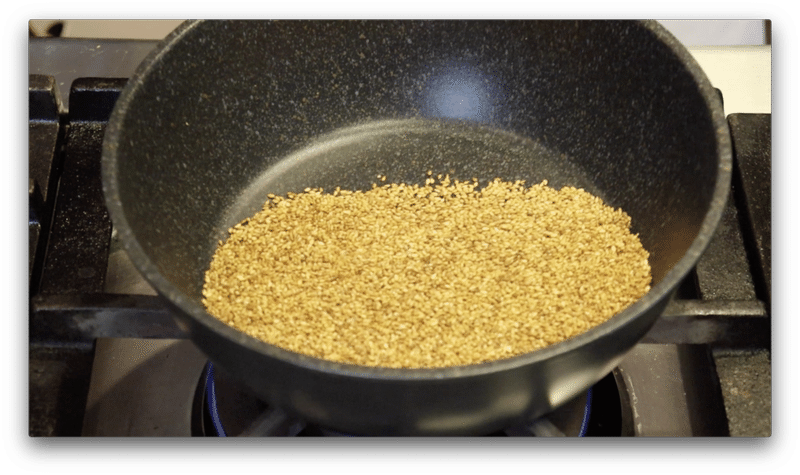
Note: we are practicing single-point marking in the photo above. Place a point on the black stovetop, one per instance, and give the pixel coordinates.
(103, 348)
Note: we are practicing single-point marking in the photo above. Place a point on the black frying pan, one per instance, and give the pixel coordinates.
(223, 113)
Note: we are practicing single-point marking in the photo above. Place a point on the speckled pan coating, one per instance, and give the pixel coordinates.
(225, 112)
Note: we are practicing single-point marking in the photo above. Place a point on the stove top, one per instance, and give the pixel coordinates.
(703, 370)
(107, 359)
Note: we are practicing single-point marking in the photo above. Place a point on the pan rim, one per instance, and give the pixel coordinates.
(195, 310)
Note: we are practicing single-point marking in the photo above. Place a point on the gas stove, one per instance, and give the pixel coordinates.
(107, 359)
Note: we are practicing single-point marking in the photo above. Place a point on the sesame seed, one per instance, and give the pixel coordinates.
(434, 275)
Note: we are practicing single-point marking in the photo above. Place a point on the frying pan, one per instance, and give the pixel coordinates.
(223, 113)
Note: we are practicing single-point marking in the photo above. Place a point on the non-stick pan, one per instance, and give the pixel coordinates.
(223, 113)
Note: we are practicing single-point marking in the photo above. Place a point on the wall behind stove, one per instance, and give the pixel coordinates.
(689, 32)
(104, 29)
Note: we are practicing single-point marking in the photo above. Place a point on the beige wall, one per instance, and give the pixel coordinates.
(116, 29)
(689, 32)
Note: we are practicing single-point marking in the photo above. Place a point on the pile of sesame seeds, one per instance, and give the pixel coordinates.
(410, 276)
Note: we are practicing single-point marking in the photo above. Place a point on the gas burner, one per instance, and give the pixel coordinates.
(224, 407)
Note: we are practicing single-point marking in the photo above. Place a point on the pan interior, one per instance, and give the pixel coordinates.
(404, 151)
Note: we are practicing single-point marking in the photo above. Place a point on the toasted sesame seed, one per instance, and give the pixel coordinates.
(411, 276)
